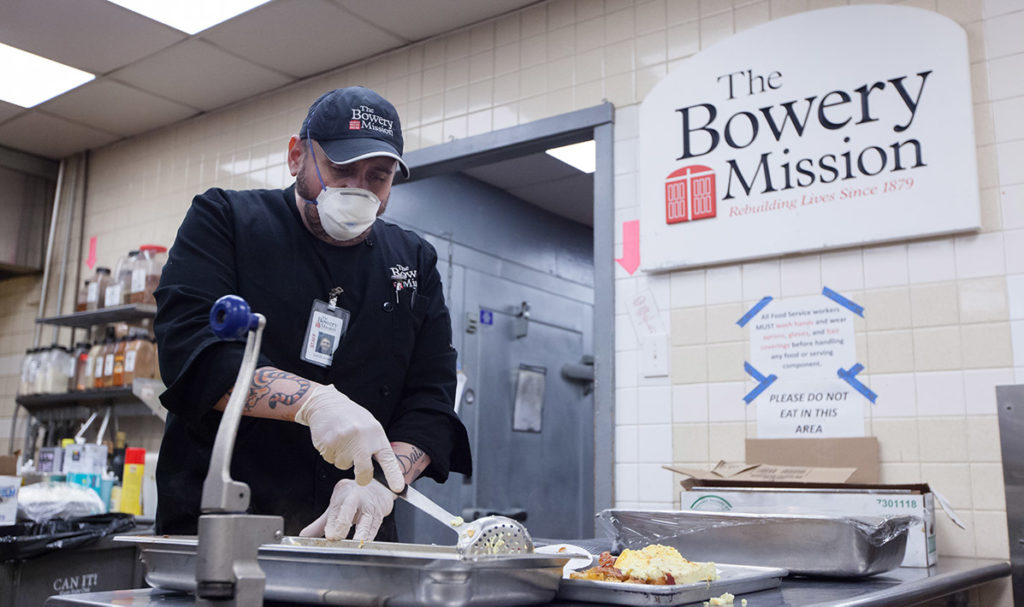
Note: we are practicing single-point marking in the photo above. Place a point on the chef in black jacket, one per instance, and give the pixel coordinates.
(316, 261)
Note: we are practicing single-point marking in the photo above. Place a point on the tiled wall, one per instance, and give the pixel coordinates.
(945, 316)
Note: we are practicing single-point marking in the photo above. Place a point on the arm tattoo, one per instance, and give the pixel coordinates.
(261, 388)
(408, 460)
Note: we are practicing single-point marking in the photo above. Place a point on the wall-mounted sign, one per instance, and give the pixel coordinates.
(825, 129)
(804, 359)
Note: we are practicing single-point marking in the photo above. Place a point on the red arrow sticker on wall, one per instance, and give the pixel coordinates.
(630, 259)
(90, 261)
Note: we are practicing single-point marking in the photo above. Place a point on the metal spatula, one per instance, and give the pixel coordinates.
(487, 535)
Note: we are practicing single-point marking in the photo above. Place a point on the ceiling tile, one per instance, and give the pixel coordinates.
(425, 18)
(91, 35)
(114, 107)
(198, 74)
(330, 37)
(50, 136)
(9, 110)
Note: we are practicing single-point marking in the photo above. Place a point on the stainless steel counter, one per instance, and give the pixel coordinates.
(903, 586)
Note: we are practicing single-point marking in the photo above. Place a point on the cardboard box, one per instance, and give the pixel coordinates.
(806, 490)
(860, 453)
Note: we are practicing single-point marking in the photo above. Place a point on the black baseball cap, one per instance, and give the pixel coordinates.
(354, 123)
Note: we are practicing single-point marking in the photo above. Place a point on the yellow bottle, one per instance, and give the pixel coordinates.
(131, 483)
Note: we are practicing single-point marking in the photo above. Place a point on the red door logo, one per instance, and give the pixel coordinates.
(690, 194)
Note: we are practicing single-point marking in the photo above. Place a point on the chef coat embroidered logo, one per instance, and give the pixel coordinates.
(366, 117)
(690, 194)
(403, 277)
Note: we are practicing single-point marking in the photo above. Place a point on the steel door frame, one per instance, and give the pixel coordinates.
(582, 125)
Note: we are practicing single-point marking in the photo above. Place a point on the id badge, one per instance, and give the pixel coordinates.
(327, 325)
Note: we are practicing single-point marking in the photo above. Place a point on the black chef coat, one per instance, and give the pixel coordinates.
(396, 358)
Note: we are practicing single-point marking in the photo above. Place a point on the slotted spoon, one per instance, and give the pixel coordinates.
(488, 535)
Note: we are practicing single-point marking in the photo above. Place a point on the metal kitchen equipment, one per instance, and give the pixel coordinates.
(240, 559)
(349, 572)
(227, 570)
(487, 535)
(825, 545)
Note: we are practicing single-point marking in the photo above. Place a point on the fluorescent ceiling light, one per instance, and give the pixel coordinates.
(189, 16)
(582, 156)
(27, 80)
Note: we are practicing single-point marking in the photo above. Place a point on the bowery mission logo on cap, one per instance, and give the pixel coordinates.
(690, 194)
(365, 117)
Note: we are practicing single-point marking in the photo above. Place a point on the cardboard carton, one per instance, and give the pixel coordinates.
(760, 488)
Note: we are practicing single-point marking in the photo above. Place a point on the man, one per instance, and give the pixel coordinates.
(312, 258)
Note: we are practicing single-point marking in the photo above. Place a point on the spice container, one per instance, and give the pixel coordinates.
(93, 365)
(97, 289)
(146, 276)
(81, 360)
(82, 301)
(117, 377)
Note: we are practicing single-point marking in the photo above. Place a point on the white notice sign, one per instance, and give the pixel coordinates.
(810, 409)
(802, 338)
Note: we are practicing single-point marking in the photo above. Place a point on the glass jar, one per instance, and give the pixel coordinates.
(120, 281)
(94, 365)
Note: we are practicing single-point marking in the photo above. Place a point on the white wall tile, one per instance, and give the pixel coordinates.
(979, 255)
(843, 270)
(724, 285)
(1015, 295)
(725, 401)
(1011, 200)
(980, 389)
(801, 275)
(1008, 115)
(1014, 250)
(626, 369)
(654, 405)
(655, 483)
(1003, 36)
(931, 261)
(627, 483)
(885, 266)
(688, 288)
(760, 279)
(690, 403)
(626, 444)
(626, 402)
(897, 395)
(940, 393)
(654, 444)
(1004, 77)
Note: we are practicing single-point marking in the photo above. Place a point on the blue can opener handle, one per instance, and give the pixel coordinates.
(231, 318)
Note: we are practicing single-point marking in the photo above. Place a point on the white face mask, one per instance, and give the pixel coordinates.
(344, 212)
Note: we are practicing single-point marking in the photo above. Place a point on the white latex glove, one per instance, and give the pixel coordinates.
(366, 506)
(346, 434)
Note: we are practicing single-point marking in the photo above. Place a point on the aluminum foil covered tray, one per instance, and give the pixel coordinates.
(803, 544)
(322, 572)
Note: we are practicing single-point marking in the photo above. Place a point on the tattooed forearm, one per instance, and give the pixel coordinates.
(278, 387)
(269, 388)
(412, 460)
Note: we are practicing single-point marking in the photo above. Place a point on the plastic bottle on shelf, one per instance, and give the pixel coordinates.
(120, 281)
(94, 365)
(147, 274)
(117, 457)
(81, 361)
(82, 302)
(109, 345)
(41, 385)
(117, 377)
(131, 487)
(98, 289)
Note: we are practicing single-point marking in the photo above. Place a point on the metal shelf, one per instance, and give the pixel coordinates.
(84, 320)
(139, 399)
